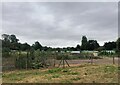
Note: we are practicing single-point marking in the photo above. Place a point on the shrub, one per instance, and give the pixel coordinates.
(56, 76)
(54, 70)
(21, 62)
(5, 52)
(36, 65)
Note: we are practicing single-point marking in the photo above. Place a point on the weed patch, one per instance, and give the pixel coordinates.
(54, 70)
(110, 69)
(75, 79)
(56, 76)
(73, 73)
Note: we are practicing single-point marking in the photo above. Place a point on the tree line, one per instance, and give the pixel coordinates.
(10, 42)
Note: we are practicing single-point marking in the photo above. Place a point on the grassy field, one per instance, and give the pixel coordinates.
(84, 73)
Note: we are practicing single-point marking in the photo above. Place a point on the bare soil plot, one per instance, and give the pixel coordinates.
(95, 61)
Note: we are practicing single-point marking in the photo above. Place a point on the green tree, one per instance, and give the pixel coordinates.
(5, 43)
(25, 47)
(10, 42)
(110, 45)
(92, 45)
(84, 43)
(37, 45)
(14, 42)
(13, 39)
(78, 47)
(5, 37)
(101, 48)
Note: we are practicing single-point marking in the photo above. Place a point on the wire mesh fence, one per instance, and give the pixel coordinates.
(44, 59)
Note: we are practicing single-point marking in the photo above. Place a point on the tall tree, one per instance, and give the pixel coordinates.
(13, 39)
(5, 42)
(37, 45)
(5, 37)
(84, 43)
(14, 42)
(10, 42)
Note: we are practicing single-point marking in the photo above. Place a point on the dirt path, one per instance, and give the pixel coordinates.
(95, 61)
(9, 64)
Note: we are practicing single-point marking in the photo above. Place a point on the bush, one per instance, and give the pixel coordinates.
(56, 76)
(60, 56)
(54, 70)
(32, 59)
(104, 53)
(5, 52)
(36, 65)
(21, 62)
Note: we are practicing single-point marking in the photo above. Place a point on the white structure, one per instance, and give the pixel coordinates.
(109, 51)
(75, 52)
(95, 53)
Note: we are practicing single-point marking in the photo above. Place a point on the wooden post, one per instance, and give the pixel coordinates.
(59, 63)
(113, 60)
(19, 57)
(91, 59)
(67, 63)
(17, 62)
(27, 60)
(54, 60)
(63, 62)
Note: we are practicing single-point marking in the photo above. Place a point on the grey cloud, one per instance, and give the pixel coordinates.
(60, 23)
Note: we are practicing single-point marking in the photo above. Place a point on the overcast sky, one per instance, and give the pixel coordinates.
(60, 24)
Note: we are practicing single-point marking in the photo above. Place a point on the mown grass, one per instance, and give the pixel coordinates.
(85, 73)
